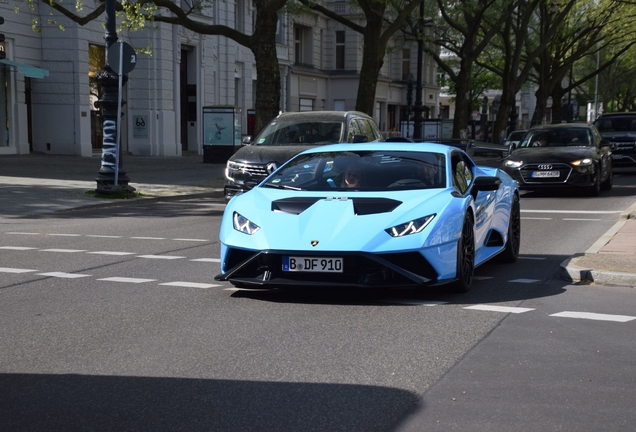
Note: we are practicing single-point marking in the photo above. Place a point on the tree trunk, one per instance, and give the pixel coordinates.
(372, 60)
(268, 83)
(462, 102)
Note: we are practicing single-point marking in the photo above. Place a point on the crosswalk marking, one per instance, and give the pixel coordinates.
(102, 236)
(63, 250)
(528, 281)
(207, 260)
(482, 277)
(64, 275)
(126, 280)
(17, 248)
(148, 238)
(65, 235)
(532, 258)
(15, 270)
(191, 240)
(594, 316)
(189, 284)
(581, 219)
(23, 233)
(505, 309)
(166, 257)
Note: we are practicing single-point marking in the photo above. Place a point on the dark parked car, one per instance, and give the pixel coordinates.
(289, 134)
(562, 155)
(620, 130)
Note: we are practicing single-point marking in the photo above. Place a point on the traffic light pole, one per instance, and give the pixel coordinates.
(111, 178)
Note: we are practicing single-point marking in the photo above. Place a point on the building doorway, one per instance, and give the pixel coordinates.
(188, 99)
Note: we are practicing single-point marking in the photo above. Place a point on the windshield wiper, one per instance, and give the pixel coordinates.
(282, 186)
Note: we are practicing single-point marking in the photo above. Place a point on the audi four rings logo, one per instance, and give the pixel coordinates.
(545, 167)
(271, 167)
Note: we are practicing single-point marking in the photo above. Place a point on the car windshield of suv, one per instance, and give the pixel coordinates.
(616, 124)
(361, 170)
(516, 135)
(557, 137)
(291, 132)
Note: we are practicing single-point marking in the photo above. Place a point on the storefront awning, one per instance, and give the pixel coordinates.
(28, 71)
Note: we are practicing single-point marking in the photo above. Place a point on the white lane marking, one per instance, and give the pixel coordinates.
(482, 277)
(217, 260)
(505, 309)
(148, 238)
(23, 233)
(111, 253)
(17, 248)
(191, 240)
(65, 235)
(532, 258)
(189, 284)
(15, 270)
(535, 218)
(573, 211)
(580, 219)
(102, 236)
(414, 302)
(594, 316)
(64, 275)
(63, 250)
(128, 280)
(528, 281)
(166, 257)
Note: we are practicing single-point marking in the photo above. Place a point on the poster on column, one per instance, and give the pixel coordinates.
(218, 126)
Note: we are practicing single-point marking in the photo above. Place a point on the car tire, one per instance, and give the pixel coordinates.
(609, 182)
(465, 257)
(595, 189)
(511, 251)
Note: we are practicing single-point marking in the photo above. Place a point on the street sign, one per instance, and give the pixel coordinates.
(129, 57)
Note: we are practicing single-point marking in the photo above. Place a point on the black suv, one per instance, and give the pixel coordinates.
(289, 134)
(620, 130)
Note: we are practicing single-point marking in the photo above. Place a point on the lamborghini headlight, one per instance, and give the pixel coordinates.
(513, 164)
(412, 227)
(244, 225)
(582, 162)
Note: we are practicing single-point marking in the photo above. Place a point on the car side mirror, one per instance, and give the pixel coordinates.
(247, 140)
(486, 183)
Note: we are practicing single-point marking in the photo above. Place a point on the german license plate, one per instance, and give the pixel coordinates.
(617, 156)
(312, 264)
(545, 174)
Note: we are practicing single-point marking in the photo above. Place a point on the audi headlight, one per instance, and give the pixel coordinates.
(513, 164)
(244, 225)
(582, 162)
(412, 227)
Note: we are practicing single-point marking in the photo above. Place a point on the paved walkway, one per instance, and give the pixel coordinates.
(37, 184)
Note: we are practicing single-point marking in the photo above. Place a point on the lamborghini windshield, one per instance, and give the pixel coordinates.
(361, 170)
(290, 132)
(557, 137)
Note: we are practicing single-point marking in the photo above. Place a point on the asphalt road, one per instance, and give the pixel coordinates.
(112, 321)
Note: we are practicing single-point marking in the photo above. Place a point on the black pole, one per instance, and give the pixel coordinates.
(417, 109)
(109, 82)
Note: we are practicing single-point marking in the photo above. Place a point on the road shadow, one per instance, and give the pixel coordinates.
(504, 288)
(47, 402)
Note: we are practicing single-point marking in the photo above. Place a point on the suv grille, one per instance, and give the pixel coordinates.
(622, 146)
(245, 171)
(563, 169)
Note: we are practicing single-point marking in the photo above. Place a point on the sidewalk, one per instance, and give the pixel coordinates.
(37, 184)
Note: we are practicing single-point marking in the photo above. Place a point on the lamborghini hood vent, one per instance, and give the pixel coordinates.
(361, 206)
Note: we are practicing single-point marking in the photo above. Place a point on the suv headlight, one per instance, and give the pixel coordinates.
(413, 227)
(582, 162)
(244, 225)
(513, 164)
(232, 169)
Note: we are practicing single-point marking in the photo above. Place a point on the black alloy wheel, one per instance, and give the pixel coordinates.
(511, 251)
(595, 189)
(465, 257)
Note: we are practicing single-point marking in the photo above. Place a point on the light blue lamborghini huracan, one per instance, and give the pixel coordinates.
(371, 215)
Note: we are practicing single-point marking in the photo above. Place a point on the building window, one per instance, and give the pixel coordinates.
(280, 29)
(406, 63)
(302, 45)
(340, 50)
(238, 15)
(306, 104)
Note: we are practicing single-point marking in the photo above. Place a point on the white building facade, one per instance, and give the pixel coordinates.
(49, 90)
